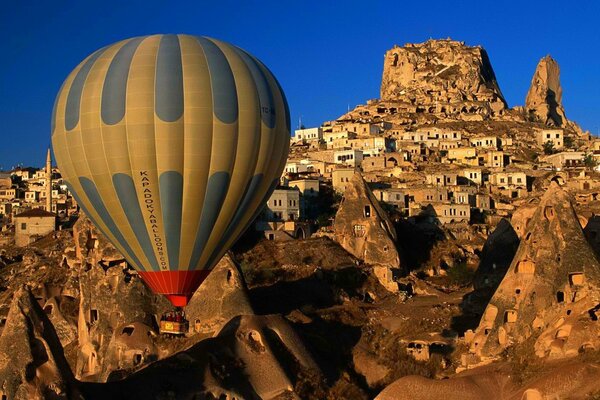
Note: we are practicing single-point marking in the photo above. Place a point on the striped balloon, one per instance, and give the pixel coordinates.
(171, 144)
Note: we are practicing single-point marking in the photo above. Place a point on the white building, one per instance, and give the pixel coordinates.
(308, 135)
(350, 157)
(283, 205)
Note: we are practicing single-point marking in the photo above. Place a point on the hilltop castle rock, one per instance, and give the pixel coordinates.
(544, 99)
(442, 74)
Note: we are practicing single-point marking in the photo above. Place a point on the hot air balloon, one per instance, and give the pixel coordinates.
(171, 145)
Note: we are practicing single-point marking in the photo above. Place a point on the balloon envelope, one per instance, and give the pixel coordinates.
(171, 144)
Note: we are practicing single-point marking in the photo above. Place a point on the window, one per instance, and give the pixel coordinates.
(367, 211)
(359, 230)
(23, 226)
(128, 330)
(93, 315)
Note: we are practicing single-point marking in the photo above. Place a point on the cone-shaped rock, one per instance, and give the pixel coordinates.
(544, 99)
(222, 296)
(550, 291)
(253, 357)
(32, 363)
(364, 230)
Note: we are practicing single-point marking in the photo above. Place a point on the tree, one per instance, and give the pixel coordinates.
(568, 142)
(549, 148)
(589, 161)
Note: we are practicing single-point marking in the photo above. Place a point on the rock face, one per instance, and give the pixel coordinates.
(364, 230)
(253, 357)
(496, 257)
(573, 381)
(551, 290)
(32, 363)
(544, 99)
(117, 312)
(442, 74)
(222, 296)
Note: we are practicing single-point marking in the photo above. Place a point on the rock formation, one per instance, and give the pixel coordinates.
(544, 98)
(364, 230)
(32, 363)
(551, 292)
(222, 296)
(445, 76)
(253, 357)
(117, 312)
(496, 257)
(572, 381)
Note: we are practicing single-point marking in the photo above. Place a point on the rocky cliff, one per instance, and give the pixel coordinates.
(544, 98)
(443, 74)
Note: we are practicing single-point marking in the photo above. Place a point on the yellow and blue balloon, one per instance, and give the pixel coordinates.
(171, 144)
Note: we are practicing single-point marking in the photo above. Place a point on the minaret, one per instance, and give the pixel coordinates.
(48, 182)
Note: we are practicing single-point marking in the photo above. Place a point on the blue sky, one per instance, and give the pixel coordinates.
(327, 55)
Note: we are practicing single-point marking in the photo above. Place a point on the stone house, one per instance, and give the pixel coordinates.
(32, 224)
(554, 136)
(493, 159)
(348, 157)
(566, 159)
(308, 135)
(463, 155)
(485, 142)
(452, 212)
(283, 205)
(340, 178)
(307, 187)
(474, 175)
(442, 179)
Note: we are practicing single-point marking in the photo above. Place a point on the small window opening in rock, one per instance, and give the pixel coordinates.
(487, 331)
(568, 312)
(48, 309)
(528, 236)
(560, 297)
(128, 330)
(518, 291)
(576, 278)
(93, 315)
(510, 316)
(137, 359)
(367, 211)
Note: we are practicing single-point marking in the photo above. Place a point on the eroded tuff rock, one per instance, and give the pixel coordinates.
(551, 290)
(253, 357)
(32, 363)
(544, 98)
(575, 380)
(222, 296)
(364, 230)
(441, 73)
(496, 257)
(117, 312)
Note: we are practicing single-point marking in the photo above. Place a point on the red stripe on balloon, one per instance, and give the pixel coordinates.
(182, 285)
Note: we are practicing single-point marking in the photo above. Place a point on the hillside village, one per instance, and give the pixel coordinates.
(434, 227)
